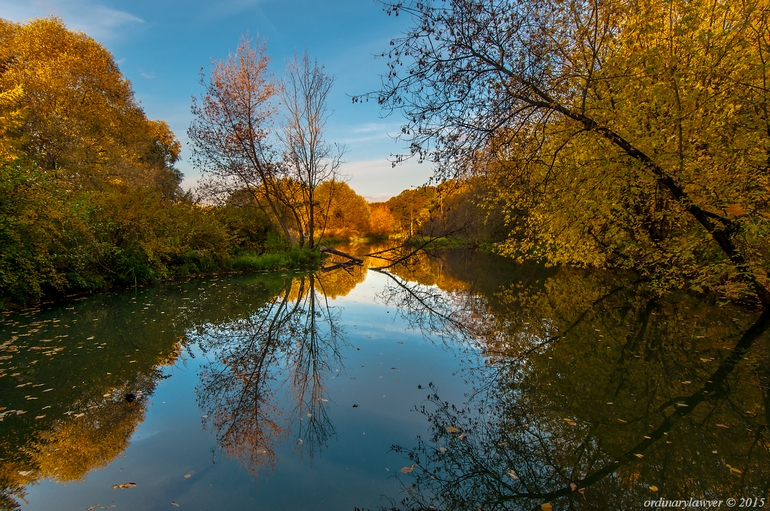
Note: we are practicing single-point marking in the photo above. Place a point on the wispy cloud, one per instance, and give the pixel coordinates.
(378, 180)
(148, 76)
(98, 21)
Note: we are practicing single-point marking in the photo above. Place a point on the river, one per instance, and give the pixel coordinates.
(460, 381)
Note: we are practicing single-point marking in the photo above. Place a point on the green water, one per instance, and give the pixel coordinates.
(459, 381)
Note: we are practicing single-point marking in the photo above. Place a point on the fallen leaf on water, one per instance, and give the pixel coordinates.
(735, 210)
(734, 470)
(187, 476)
(653, 488)
(39, 416)
(572, 486)
(723, 426)
(570, 421)
(78, 415)
(106, 395)
(175, 504)
(442, 448)
(462, 436)
(622, 421)
(513, 474)
(452, 429)
(92, 507)
(582, 491)
(407, 470)
(546, 507)
(123, 486)
(640, 456)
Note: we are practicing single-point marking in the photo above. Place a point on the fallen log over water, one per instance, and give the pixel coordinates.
(353, 259)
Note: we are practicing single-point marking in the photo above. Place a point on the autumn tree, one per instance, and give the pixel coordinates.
(73, 112)
(74, 142)
(348, 212)
(381, 221)
(626, 133)
(310, 159)
(231, 133)
(411, 208)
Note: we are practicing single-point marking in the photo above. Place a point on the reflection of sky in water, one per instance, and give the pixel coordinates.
(382, 365)
(606, 370)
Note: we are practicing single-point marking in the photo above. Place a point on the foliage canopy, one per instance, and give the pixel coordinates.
(631, 133)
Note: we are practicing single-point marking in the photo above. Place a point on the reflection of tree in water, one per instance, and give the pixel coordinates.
(291, 343)
(598, 397)
(89, 436)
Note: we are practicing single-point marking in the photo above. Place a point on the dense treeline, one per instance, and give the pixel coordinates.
(626, 134)
(89, 195)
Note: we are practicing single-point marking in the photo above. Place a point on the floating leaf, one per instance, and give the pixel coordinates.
(452, 429)
(546, 507)
(513, 475)
(570, 421)
(735, 210)
(123, 486)
(407, 470)
(640, 456)
(92, 507)
(442, 448)
(653, 488)
(175, 504)
(572, 486)
(734, 470)
(723, 426)
(462, 436)
(187, 476)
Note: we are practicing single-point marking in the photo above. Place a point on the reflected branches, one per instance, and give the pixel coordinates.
(641, 397)
(290, 343)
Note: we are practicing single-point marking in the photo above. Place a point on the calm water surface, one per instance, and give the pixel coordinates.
(460, 381)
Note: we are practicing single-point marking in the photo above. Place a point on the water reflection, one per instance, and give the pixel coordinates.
(601, 396)
(287, 348)
(591, 391)
(64, 411)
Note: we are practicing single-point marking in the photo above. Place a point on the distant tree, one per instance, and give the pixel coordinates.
(348, 211)
(381, 221)
(310, 159)
(411, 208)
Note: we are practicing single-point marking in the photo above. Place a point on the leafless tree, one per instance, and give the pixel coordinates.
(310, 159)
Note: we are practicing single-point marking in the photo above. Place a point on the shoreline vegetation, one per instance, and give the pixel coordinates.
(90, 197)
(584, 166)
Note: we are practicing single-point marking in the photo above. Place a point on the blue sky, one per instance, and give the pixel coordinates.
(162, 45)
